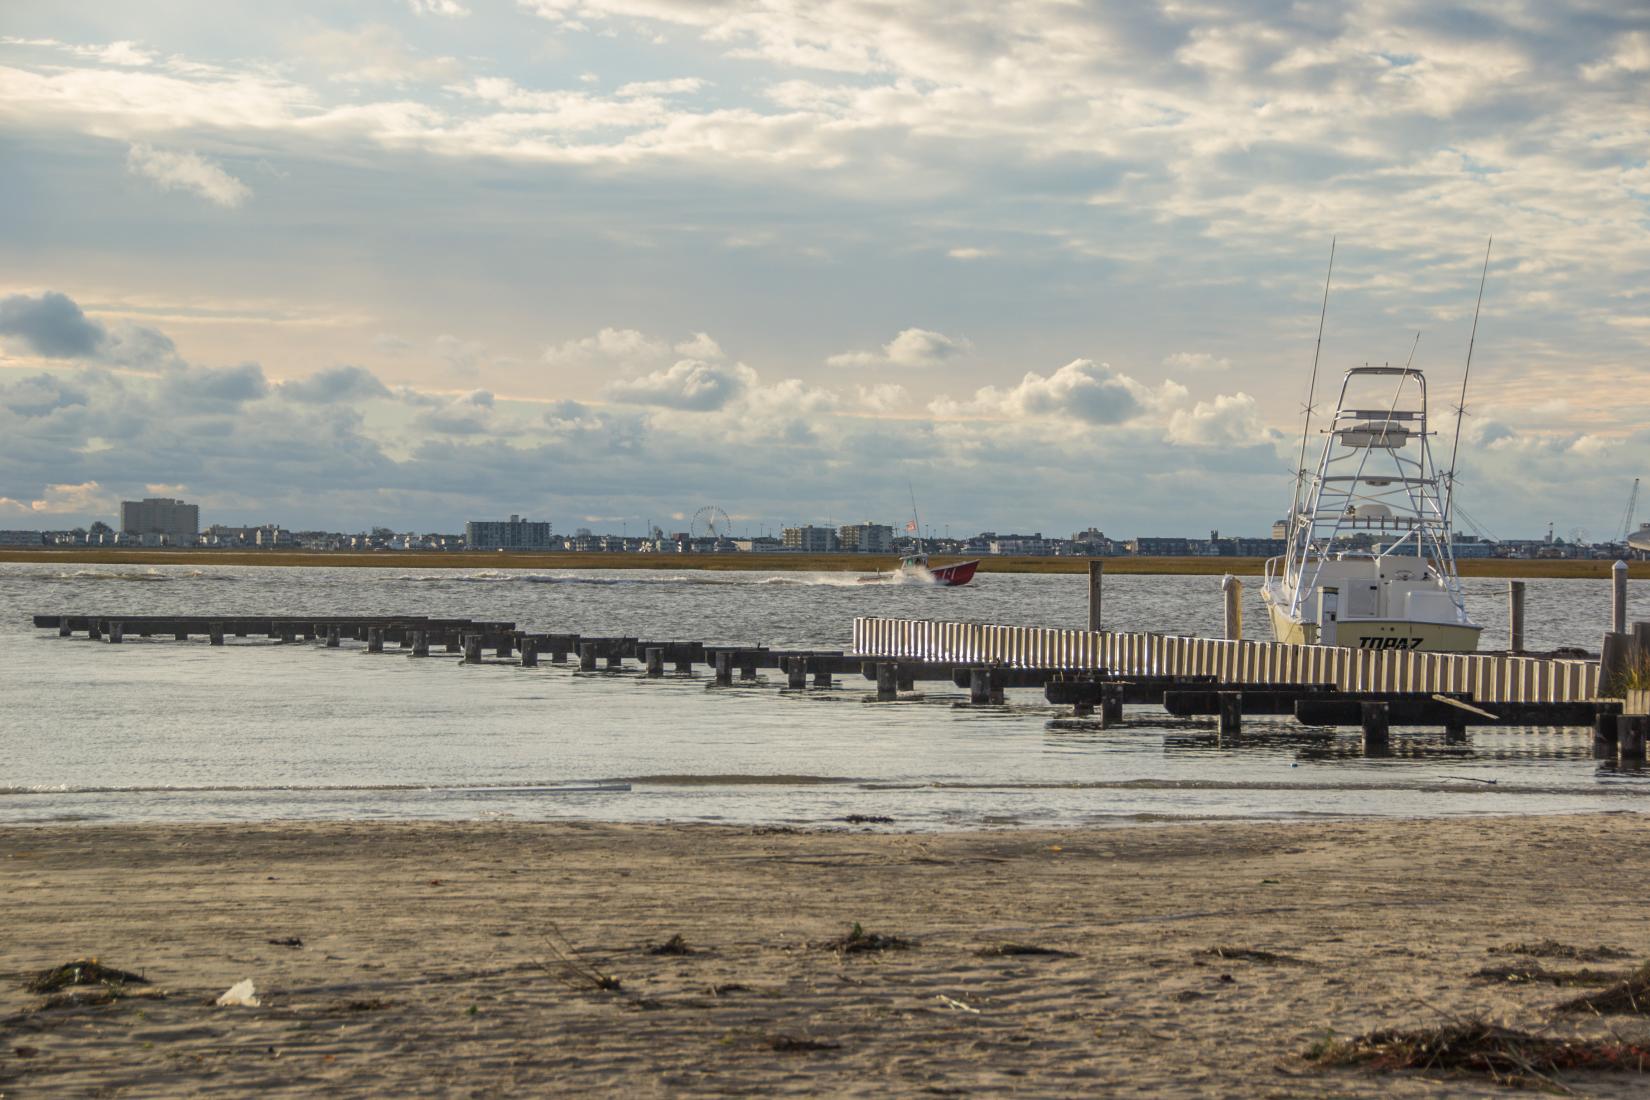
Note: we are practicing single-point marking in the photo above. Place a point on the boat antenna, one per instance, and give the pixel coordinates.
(916, 524)
(1461, 406)
(1311, 393)
(1411, 360)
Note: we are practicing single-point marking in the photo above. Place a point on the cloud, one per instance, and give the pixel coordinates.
(913, 347)
(40, 395)
(452, 9)
(470, 414)
(608, 347)
(333, 385)
(51, 325)
(173, 171)
(882, 396)
(691, 385)
(679, 86)
(1082, 390)
(376, 54)
(699, 346)
(463, 357)
(1230, 420)
(965, 253)
(87, 498)
(214, 388)
(1196, 361)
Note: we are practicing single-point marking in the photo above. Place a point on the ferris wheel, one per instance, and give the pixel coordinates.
(710, 522)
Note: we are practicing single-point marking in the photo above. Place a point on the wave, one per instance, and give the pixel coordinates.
(145, 576)
(640, 578)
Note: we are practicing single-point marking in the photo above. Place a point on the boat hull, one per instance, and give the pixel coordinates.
(954, 576)
(1382, 634)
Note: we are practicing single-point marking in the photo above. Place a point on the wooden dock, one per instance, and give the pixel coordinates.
(1486, 678)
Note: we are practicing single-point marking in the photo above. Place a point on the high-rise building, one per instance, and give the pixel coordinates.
(161, 517)
(809, 539)
(512, 534)
(868, 538)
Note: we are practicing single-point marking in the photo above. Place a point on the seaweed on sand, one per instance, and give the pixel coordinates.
(1503, 1054)
(1552, 949)
(82, 972)
(676, 945)
(1004, 950)
(858, 941)
(1250, 954)
(1628, 997)
(567, 968)
(1531, 973)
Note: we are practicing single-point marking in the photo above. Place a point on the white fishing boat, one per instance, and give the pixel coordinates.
(1376, 478)
(1370, 562)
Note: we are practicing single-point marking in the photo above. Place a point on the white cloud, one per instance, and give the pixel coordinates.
(1082, 390)
(913, 347)
(680, 86)
(882, 396)
(1195, 361)
(178, 171)
(375, 54)
(1230, 420)
(609, 346)
(699, 346)
(452, 9)
(85, 498)
(965, 253)
(690, 385)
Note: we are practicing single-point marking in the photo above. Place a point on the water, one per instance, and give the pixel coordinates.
(164, 731)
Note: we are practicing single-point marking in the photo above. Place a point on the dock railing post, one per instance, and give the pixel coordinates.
(1232, 619)
(1618, 598)
(1097, 573)
(1515, 617)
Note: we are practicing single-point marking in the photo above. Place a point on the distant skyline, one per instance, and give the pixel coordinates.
(414, 262)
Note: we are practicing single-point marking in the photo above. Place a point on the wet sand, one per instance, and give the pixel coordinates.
(428, 957)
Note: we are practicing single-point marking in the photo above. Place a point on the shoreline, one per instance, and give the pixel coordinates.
(427, 958)
(778, 562)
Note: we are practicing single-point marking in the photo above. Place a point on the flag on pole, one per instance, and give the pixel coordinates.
(911, 526)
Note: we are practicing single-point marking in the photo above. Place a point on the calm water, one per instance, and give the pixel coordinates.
(160, 730)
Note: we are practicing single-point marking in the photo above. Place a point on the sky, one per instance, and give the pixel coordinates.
(1052, 265)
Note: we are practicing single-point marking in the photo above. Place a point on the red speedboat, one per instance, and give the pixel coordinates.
(914, 569)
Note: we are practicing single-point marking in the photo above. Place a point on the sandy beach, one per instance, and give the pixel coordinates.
(395, 959)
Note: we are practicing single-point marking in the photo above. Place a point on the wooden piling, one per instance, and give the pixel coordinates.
(375, 639)
(1515, 617)
(94, 631)
(214, 633)
(887, 681)
(63, 630)
(724, 668)
(1618, 598)
(1231, 713)
(529, 653)
(472, 649)
(796, 669)
(1377, 728)
(822, 673)
(747, 668)
(587, 656)
(288, 636)
(117, 633)
(1097, 574)
(1631, 732)
(655, 658)
(1111, 705)
(1605, 732)
(979, 686)
(332, 636)
(1232, 608)
(420, 644)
